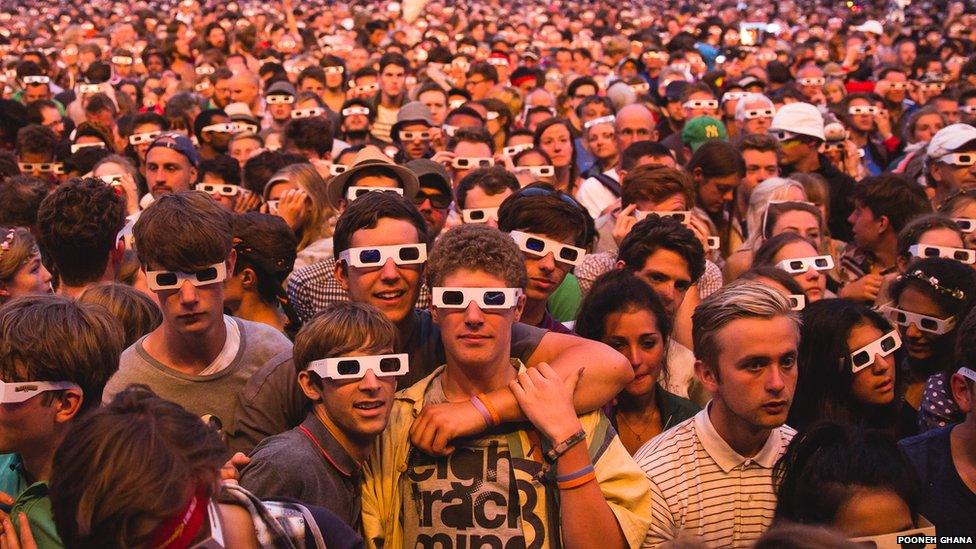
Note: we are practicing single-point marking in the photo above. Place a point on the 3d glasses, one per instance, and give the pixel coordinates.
(863, 109)
(307, 113)
(349, 111)
(228, 127)
(354, 192)
(471, 163)
(279, 99)
(410, 136)
(17, 392)
(961, 255)
(515, 149)
(377, 256)
(355, 367)
(700, 104)
(966, 224)
(884, 346)
(479, 215)
(682, 216)
(222, 190)
(541, 247)
(959, 159)
(752, 114)
(485, 298)
(42, 167)
(140, 138)
(804, 264)
(925, 323)
(75, 147)
(537, 171)
(797, 301)
(168, 280)
(815, 81)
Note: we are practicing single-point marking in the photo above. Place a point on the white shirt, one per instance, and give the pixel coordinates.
(227, 355)
(594, 196)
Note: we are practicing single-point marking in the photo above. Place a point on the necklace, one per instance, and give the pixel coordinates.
(638, 434)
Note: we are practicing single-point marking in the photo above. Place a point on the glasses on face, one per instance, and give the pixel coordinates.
(169, 280)
(479, 215)
(113, 180)
(336, 169)
(334, 70)
(515, 149)
(643, 87)
(121, 60)
(204, 71)
(884, 346)
(700, 104)
(229, 127)
(733, 96)
(38, 79)
(278, 99)
(447, 128)
(681, 216)
(349, 111)
(140, 138)
(797, 301)
(437, 200)
(42, 167)
(610, 119)
(355, 367)
(898, 86)
(804, 264)
(926, 323)
(307, 113)
(966, 224)
(498, 61)
(354, 192)
(15, 393)
(222, 190)
(537, 171)
(961, 255)
(541, 247)
(202, 86)
(75, 147)
(485, 298)
(819, 81)
(968, 109)
(863, 109)
(758, 113)
(932, 86)
(410, 136)
(470, 163)
(959, 159)
(377, 256)
(90, 88)
(368, 88)
(712, 243)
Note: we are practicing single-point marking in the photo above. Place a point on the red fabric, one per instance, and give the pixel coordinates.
(178, 531)
(854, 86)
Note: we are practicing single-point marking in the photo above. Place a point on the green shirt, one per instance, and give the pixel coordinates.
(30, 499)
(564, 303)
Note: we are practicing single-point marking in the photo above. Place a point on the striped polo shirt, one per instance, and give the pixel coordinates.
(701, 487)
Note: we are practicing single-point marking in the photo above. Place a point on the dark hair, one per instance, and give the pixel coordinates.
(486, 70)
(761, 143)
(579, 82)
(163, 241)
(101, 102)
(591, 99)
(393, 58)
(308, 134)
(138, 444)
(825, 468)
(913, 231)
(312, 71)
(825, 379)
(617, 291)
(34, 110)
(639, 149)
(259, 168)
(892, 196)
(493, 180)
(77, 227)
(474, 134)
(204, 119)
(717, 158)
(573, 166)
(20, 198)
(779, 275)
(654, 232)
(366, 211)
(225, 167)
(765, 254)
(37, 139)
(540, 209)
(655, 183)
(136, 312)
(267, 245)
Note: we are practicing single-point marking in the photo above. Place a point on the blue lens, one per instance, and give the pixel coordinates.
(568, 254)
(495, 298)
(535, 244)
(369, 256)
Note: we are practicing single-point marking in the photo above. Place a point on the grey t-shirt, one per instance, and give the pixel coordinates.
(215, 398)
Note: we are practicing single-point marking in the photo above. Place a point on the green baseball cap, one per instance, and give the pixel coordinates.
(700, 129)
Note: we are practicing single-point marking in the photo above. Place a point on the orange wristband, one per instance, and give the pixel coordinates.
(576, 482)
(495, 418)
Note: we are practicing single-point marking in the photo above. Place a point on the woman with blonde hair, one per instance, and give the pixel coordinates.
(296, 193)
(21, 270)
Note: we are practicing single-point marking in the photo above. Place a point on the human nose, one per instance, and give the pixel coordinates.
(473, 314)
(369, 382)
(548, 263)
(634, 355)
(188, 293)
(776, 381)
(389, 270)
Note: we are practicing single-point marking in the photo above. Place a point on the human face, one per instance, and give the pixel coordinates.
(871, 512)
(28, 425)
(52, 119)
(673, 203)
(469, 149)
(757, 370)
(919, 344)
(862, 122)
(715, 192)
(436, 101)
(478, 86)
(594, 110)
(759, 125)
(875, 384)
(36, 92)
(633, 126)
(602, 142)
(226, 202)
(30, 279)
(927, 126)
(218, 140)
(866, 226)
(952, 177)
(392, 288)
(192, 311)
(893, 95)
(392, 80)
(545, 273)
(242, 149)
(416, 147)
(949, 108)
(312, 85)
(668, 274)
(359, 408)
(243, 89)
(222, 93)
(433, 216)
(800, 222)
(168, 171)
(813, 282)
(557, 142)
(476, 339)
(477, 198)
(700, 96)
(760, 166)
(635, 334)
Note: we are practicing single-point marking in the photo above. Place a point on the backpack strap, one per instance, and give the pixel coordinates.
(610, 183)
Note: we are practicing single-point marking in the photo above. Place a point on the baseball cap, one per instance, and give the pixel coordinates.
(950, 139)
(431, 175)
(179, 143)
(674, 89)
(799, 118)
(413, 112)
(282, 88)
(371, 156)
(700, 129)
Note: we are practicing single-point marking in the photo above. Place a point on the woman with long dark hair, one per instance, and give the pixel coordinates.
(555, 137)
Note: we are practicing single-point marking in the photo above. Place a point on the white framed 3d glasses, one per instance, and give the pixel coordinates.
(377, 256)
(17, 392)
(926, 323)
(479, 215)
(140, 138)
(170, 280)
(279, 99)
(537, 171)
(355, 367)
(222, 190)
(354, 192)
(884, 346)
(540, 247)
(681, 216)
(485, 298)
(804, 264)
(471, 163)
(961, 255)
(307, 113)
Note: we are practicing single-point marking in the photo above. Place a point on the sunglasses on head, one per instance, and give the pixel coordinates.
(515, 149)
(464, 163)
(961, 255)
(17, 392)
(681, 216)
(758, 113)
(479, 215)
(354, 192)
(410, 136)
(349, 111)
(541, 247)
(959, 159)
(817, 81)
(43, 167)
(377, 256)
(75, 147)
(222, 190)
(966, 224)
(537, 171)
(307, 113)
(863, 109)
(797, 301)
(884, 346)
(804, 264)
(279, 99)
(925, 323)
(701, 104)
(485, 298)
(355, 367)
(140, 138)
(170, 280)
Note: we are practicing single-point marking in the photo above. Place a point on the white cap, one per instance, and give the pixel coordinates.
(870, 26)
(238, 109)
(800, 118)
(950, 138)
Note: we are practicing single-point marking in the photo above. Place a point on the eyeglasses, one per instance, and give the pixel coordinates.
(114, 180)
(479, 215)
(863, 109)
(204, 71)
(410, 136)
(448, 129)
(349, 111)
(485, 298)
(498, 61)
(140, 138)
(273, 206)
(932, 86)
(537, 171)
(463, 163)
(968, 109)
(681, 216)
(43, 167)
(959, 159)
(884, 346)
(733, 96)
(898, 86)
(377, 256)
(925, 323)
(222, 190)
(333, 70)
(229, 127)
(90, 88)
(336, 169)
(75, 147)
(278, 99)
(159, 281)
(643, 87)
(515, 149)
(797, 301)
(541, 247)
(893, 540)
(354, 192)
(37, 79)
(966, 224)
(121, 60)
(368, 88)
(474, 82)
(355, 367)
(782, 135)
(202, 86)
(804, 264)
(15, 393)
(712, 243)
(700, 104)
(307, 113)
(819, 81)
(597, 121)
(961, 255)
(758, 113)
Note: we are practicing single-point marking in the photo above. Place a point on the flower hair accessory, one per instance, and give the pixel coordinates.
(932, 281)
(7, 241)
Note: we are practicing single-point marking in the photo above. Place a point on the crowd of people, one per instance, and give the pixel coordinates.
(487, 274)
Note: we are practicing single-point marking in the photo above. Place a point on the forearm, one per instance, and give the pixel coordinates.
(585, 517)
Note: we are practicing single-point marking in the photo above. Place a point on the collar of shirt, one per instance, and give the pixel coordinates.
(723, 454)
(331, 450)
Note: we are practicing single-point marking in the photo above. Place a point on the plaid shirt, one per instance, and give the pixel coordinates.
(595, 265)
(312, 288)
(275, 525)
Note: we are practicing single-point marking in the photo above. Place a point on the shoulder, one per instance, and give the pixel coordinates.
(286, 447)
(321, 270)
(666, 450)
(925, 442)
(262, 336)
